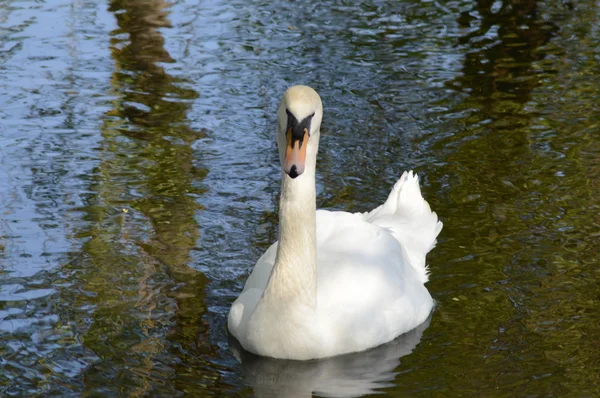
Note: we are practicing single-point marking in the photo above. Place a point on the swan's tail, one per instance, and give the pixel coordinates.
(411, 221)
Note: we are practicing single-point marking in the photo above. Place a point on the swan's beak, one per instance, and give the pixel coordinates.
(295, 153)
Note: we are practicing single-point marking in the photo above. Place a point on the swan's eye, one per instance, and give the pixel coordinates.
(297, 127)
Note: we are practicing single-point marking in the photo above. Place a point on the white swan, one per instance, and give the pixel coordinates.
(335, 282)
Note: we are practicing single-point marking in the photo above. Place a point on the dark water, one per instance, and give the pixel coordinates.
(139, 182)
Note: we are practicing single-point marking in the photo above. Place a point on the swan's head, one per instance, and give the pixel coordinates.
(299, 123)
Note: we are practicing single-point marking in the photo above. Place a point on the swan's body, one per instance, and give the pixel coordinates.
(335, 282)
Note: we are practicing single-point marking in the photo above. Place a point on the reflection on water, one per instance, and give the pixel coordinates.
(139, 181)
(137, 248)
(351, 375)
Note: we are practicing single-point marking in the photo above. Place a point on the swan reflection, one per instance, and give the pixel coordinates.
(351, 375)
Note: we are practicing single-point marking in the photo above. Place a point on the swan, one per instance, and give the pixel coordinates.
(335, 282)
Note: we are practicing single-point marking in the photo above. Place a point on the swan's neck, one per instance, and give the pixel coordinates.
(294, 275)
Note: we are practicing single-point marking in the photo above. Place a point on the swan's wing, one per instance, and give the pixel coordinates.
(357, 258)
(365, 282)
(410, 219)
(243, 307)
(356, 250)
(262, 270)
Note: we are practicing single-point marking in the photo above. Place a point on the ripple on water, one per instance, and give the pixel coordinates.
(139, 184)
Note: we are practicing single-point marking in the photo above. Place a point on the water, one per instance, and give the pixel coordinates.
(139, 183)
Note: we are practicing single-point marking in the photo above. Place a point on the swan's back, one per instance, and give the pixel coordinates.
(368, 292)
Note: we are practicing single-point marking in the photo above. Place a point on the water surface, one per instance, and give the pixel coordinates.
(139, 183)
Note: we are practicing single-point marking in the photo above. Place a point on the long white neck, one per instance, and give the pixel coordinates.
(294, 275)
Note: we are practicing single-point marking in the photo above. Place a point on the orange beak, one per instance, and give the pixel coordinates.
(295, 154)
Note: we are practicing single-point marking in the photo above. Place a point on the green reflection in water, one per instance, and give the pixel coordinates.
(145, 302)
(516, 273)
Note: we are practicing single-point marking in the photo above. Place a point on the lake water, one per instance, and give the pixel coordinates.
(139, 181)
